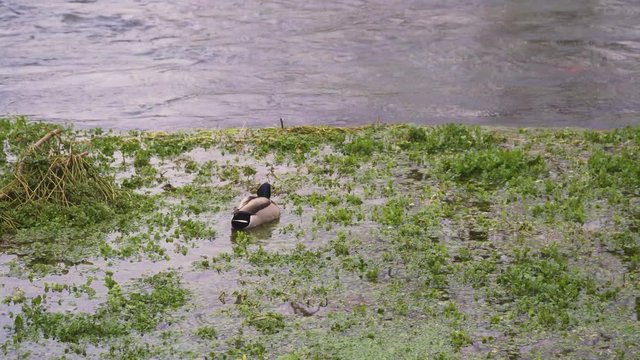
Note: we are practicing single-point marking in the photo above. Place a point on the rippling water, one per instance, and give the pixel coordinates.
(195, 63)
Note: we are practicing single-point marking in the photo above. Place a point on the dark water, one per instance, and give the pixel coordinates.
(196, 63)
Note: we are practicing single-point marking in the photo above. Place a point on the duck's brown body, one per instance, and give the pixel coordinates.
(255, 210)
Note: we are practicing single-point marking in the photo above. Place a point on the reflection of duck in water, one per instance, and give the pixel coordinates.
(255, 210)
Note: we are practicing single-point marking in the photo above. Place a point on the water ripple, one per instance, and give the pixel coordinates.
(157, 64)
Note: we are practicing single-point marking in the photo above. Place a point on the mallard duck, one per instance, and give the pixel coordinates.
(255, 210)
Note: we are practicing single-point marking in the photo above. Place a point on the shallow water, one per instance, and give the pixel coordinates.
(164, 65)
(369, 267)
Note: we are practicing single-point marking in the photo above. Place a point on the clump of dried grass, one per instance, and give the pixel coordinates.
(46, 172)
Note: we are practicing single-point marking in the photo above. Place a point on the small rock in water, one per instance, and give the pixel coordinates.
(300, 309)
(168, 187)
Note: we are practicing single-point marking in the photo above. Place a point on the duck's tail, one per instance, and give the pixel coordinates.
(240, 220)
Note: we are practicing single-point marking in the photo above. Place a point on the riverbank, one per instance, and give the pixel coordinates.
(395, 242)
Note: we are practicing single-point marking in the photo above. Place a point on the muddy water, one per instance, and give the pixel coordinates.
(164, 65)
(205, 285)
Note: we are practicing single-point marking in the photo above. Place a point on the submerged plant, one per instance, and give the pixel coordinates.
(123, 312)
(545, 288)
(492, 168)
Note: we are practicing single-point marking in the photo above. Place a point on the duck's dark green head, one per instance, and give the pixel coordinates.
(265, 190)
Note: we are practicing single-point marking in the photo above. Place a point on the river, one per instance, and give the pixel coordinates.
(147, 64)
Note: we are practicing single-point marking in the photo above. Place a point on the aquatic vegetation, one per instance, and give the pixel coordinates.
(377, 342)
(121, 314)
(202, 198)
(460, 339)
(207, 332)
(395, 241)
(444, 138)
(267, 323)
(615, 136)
(295, 143)
(364, 144)
(58, 205)
(477, 273)
(545, 287)
(219, 263)
(491, 168)
(628, 242)
(192, 229)
(620, 170)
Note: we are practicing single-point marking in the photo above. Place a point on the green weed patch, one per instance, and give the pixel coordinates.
(123, 313)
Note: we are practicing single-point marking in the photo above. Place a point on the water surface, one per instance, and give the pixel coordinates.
(165, 65)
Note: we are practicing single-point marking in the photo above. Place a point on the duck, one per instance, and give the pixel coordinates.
(255, 210)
